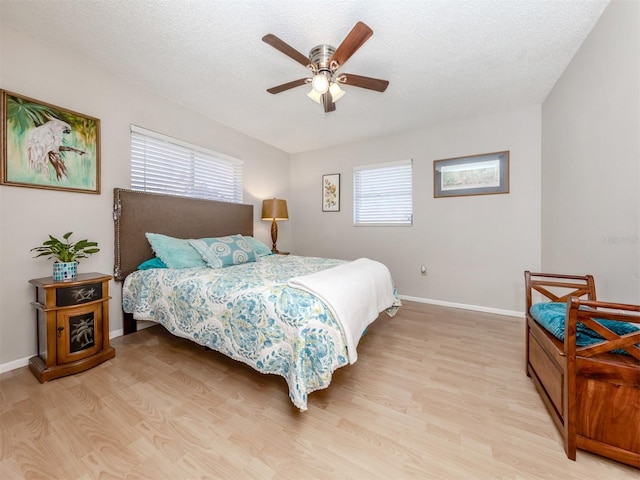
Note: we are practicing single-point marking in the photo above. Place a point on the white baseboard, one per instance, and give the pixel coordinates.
(7, 367)
(24, 362)
(477, 308)
(115, 333)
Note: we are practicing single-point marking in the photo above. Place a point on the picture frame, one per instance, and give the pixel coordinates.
(46, 146)
(331, 192)
(484, 174)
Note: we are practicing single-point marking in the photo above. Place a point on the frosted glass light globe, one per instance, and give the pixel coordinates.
(320, 83)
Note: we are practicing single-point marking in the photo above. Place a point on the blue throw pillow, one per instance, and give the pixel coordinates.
(175, 252)
(154, 262)
(224, 251)
(258, 247)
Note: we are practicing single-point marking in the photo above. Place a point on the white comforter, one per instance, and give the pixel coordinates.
(354, 292)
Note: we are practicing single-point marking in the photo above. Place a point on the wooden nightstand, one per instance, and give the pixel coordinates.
(72, 325)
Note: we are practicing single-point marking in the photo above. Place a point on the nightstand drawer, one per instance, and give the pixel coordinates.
(78, 294)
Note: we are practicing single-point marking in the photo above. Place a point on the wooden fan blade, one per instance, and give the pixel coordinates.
(364, 82)
(328, 103)
(287, 49)
(356, 38)
(288, 85)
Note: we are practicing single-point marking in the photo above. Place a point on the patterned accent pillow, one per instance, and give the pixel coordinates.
(174, 252)
(224, 251)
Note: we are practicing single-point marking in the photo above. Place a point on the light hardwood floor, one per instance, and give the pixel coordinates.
(437, 393)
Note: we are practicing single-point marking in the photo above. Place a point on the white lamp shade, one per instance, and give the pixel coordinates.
(315, 96)
(336, 92)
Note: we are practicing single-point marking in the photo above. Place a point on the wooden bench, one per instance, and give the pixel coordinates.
(592, 394)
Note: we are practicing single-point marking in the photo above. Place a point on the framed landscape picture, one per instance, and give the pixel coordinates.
(331, 192)
(45, 146)
(474, 175)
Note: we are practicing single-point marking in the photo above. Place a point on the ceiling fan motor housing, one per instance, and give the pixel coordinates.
(321, 56)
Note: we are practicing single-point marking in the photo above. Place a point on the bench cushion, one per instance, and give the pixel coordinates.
(551, 316)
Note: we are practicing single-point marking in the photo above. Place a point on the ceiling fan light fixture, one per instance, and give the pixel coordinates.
(320, 83)
(324, 62)
(336, 92)
(315, 96)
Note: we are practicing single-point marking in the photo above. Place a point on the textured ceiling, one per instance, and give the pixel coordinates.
(445, 59)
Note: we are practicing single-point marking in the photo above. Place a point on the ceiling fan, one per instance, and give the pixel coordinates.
(324, 61)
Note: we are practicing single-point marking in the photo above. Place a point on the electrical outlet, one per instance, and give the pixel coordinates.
(423, 270)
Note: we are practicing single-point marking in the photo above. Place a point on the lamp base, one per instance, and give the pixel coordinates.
(274, 236)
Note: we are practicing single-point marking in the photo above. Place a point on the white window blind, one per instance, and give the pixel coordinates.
(162, 164)
(383, 194)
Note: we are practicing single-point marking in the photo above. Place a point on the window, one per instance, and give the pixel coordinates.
(382, 194)
(163, 164)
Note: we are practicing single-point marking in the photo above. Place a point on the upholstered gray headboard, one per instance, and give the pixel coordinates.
(136, 213)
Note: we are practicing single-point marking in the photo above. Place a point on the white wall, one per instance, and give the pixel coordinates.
(28, 215)
(591, 159)
(475, 248)
(586, 219)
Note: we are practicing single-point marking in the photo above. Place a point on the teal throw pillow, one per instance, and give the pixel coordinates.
(224, 251)
(259, 248)
(174, 252)
(154, 262)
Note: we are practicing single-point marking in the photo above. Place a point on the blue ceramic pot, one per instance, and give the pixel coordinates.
(64, 271)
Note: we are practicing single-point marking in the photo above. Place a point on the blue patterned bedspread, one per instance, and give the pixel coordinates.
(248, 313)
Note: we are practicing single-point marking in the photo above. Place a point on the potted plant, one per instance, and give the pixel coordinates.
(67, 255)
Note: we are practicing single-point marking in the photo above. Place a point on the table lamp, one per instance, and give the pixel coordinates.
(274, 209)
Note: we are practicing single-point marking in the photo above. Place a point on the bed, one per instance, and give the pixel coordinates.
(297, 317)
(584, 360)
